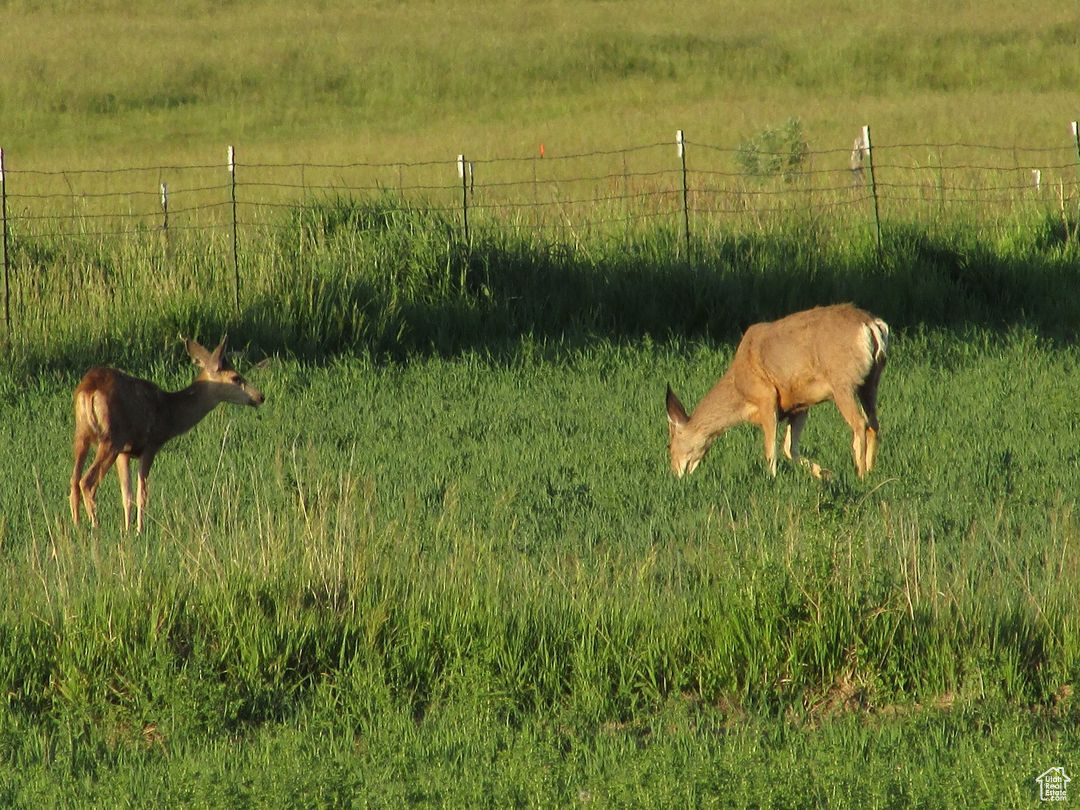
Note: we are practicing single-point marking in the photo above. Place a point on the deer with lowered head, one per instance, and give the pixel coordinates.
(131, 418)
(782, 368)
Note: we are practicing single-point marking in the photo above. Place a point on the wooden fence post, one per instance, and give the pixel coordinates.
(163, 234)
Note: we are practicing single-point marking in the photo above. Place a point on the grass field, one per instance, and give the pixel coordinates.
(446, 563)
(92, 84)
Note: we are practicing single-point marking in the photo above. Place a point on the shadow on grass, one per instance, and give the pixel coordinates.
(397, 301)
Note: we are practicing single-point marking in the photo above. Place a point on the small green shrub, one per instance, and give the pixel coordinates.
(778, 152)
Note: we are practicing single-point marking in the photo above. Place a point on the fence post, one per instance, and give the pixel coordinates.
(235, 250)
(463, 172)
(1076, 142)
(163, 234)
(536, 181)
(681, 143)
(7, 260)
(873, 184)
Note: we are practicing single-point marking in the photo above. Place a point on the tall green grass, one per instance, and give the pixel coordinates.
(391, 279)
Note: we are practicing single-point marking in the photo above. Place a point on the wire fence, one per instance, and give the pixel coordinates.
(691, 186)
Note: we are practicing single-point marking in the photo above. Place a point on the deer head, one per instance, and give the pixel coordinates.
(686, 448)
(229, 386)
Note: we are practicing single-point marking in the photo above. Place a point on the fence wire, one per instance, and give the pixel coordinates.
(546, 191)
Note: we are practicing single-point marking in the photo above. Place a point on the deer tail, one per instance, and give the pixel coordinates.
(877, 333)
(87, 411)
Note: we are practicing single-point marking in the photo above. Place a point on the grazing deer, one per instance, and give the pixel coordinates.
(131, 418)
(780, 369)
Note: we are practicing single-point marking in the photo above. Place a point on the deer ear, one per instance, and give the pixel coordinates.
(197, 353)
(676, 413)
(218, 357)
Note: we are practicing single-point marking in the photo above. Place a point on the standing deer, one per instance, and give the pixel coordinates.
(781, 368)
(131, 418)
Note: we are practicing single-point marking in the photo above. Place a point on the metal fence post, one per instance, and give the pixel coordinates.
(235, 249)
(681, 143)
(7, 255)
(463, 171)
(873, 185)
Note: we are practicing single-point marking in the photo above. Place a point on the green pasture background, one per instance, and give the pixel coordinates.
(109, 83)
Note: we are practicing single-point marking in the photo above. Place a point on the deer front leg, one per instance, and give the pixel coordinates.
(795, 424)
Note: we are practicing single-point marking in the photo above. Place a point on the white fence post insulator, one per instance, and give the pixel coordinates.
(680, 142)
(1036, 179)
(164, 206)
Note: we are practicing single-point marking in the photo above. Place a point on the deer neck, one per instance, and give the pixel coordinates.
(186, 408)
(721, 408)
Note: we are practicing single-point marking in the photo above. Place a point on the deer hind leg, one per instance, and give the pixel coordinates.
(144, 474)
(796, 423)
(853, 414)
(871, 447)
(89, 483)
(868, 398)
(123, 471)
(82, 449)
